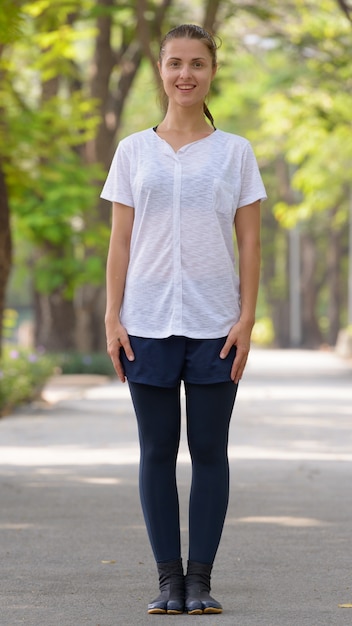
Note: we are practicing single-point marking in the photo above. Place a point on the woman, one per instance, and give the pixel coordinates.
(176, 309)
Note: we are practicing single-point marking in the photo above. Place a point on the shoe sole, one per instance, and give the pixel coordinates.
(209, 611)
(163, 612)
(195, 612)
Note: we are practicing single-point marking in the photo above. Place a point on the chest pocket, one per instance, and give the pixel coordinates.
(225, 198)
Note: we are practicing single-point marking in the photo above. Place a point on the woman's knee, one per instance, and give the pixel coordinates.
(207, 453)
(162, 452)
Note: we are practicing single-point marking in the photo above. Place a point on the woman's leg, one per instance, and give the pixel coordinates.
(209, 409)
(158, 416)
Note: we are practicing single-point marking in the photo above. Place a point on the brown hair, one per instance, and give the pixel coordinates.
(191, 31)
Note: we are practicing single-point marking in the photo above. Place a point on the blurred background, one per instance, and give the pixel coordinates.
(78, 75)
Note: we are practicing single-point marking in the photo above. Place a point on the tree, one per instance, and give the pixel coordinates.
(77, 80)
(10, 21)
(316, 112)
(69, 125)
(346, 7)
(49, 190)
(5, 243)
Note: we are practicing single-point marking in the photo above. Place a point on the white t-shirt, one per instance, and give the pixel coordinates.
(181, 278)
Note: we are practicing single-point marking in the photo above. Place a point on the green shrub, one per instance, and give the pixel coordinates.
(9, 323)
(78, 363)
(263, 332)
(23, 374)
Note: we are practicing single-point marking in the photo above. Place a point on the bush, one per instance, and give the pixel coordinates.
(263, 332)
(23, 374)
(78, 363)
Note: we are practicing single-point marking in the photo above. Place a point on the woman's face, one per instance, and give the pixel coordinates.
(186, 70)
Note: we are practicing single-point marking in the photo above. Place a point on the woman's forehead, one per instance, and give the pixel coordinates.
(185, 47)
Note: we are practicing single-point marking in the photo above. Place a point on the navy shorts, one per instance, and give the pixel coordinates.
(165, 362)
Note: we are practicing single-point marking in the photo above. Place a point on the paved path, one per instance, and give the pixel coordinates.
(73, 548)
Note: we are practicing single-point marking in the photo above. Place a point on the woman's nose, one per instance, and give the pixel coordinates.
(185, 71)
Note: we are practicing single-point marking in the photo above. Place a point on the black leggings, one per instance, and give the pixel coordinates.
(158, 411)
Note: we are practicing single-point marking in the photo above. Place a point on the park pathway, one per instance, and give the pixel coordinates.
(73, 548)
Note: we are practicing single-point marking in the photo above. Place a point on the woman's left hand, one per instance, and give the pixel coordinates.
(239, 336)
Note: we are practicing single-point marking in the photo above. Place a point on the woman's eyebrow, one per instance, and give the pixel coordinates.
(178, 59)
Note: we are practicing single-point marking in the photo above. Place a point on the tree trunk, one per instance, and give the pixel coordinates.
(210, 14)
(311, 333)
(334, 282)
(276, 289)
(5, 228)
(53, 314)
(54, 322)
(5, 246)
(275, 247)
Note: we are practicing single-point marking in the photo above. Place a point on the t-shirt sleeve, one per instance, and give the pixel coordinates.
(117, 187)
(252, 186)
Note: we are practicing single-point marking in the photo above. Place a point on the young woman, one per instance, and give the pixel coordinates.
(178, 311)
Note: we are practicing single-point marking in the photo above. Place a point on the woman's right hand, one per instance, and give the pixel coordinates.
(117, 338)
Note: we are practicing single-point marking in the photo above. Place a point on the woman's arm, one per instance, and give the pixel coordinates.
(116, 270)
(247, 225)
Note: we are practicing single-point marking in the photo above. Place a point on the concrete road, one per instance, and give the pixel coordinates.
(73, 548)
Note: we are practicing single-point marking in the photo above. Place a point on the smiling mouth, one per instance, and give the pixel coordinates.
(185, 87)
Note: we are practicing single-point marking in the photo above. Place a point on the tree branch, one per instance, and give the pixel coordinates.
(346, 8)
(210, 14)
(150, 31)
(144, 35)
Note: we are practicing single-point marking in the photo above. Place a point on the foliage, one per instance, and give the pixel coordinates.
(9, 323)
(309, 118)
(51, 217)
(286, 84)
(263, 332)
(49, 118)
(22, 376)
(77, 363)
(284, 81)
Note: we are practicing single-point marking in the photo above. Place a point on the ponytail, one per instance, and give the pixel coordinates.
(208, 115)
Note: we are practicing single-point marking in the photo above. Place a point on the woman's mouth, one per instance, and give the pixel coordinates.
(185, 87)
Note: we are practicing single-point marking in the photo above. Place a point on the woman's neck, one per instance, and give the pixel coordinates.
(185, 122)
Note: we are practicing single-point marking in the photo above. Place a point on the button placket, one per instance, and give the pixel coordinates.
(177, 261)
